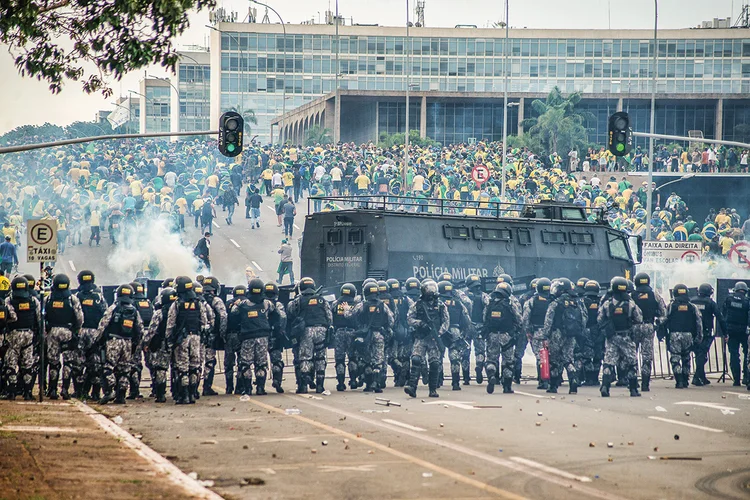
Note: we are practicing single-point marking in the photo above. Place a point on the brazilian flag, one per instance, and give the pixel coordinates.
(709, 231)
(680, 233)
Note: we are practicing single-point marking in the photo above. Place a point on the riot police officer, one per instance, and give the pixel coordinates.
(522, 340)
(310, 317)
(372, 317)
(402, 342)
(93, 306)
(389, 351)
(186, 320)
(685, 328)
(709, 310)
(146, 311)
(534, 312)
(121, 329)
(412, 290)
(654, 311)
(232, 343)
(22, 333)
(564, 322)
(206, 332)
(211, 288)
(429, 319)
(502, 324)
(455, 338)
(617, 316)
(155, 343)
(279, 339)
(593, 349)
(479, 301)
(735, 310)
(343, 336)
(254, 314)
(63, 321)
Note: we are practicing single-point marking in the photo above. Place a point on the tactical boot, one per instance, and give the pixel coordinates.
(646, 384)
(377, 386)
(302, 384)
(455, 382)
(478, 370)
(208, 383)
(490, 384)
(109, 395)
(368, 383)
(120, 398)
(78, 392)
(277, 383)
(353, 382)
(433, 382)
(467, 376)
(320, 381)
(697, 381)
(678, 381)
(573, 382)
(312, 382)
(260, 386)
(411, 387)
(27, 391)
(192, 389)
(64, 389)
(229, 378)
(705, 380)
(553, 384)
(542, 385)
(516, 379)
(425, 375)
(341, 386)
(633, 386)
(52, 388)
(9, 394)
(441, 377)
(135, 389)
(160, 391)
(508, 386)
(604, 389)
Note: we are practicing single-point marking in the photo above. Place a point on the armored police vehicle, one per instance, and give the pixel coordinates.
(349, 239)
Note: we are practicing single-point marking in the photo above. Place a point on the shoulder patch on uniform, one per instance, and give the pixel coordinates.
(643, 296)
(313, 302)
(682, 307)
(594, 306)
(373, 309)
(618, 310)
(88, 302)
(143, 303)
(497, 314)
(58, 304)
(24, 306)
(127, 323)
(252, 314)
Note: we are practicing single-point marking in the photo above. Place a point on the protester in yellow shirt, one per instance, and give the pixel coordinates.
(362, 182)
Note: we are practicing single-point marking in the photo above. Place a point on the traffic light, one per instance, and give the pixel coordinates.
(620, 140)
(231, 126)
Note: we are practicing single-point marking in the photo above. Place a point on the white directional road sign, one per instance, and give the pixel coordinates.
(41, 245)
(667, 252)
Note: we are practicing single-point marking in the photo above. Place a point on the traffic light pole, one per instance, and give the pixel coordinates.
(80, 140)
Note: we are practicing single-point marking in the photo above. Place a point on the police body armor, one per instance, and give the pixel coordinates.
(592, 307)
(499, 317)
(374, 315)
(92, 310)
(477, 307)
(123, 321)
(312, 309)
(145, 309)
(26, 313)
(401, 328)
(737, 308)
(3, 316)
(253, 321)
(682, 318)
(620, 315)
(188, 318)
(645, 299)
(59, 313)
(161, 330)
(704, 304)
(539, 306)
(454, 311)
(339, 315)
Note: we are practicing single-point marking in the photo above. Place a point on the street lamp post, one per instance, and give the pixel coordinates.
(177, 92)
(204, 94)
(283, 27)
(505, 104)
(406, 73)
(649, 195)
(147, 100)
(241, 104)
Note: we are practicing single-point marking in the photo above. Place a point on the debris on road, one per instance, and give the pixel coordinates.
(292, 411)
(324, 443)
(538, 414)
(682, 458)
(538, 424)
(209, 441)
(687, 413)
(252, 481)
(193, 475)
(386, 402)
(427, 474)
(117, 420)
(592, 444)
(676, 437)
(661, 409)
(610, 445)
(375, 411)
(244, 398)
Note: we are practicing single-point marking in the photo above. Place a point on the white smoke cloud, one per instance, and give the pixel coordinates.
(666, 276)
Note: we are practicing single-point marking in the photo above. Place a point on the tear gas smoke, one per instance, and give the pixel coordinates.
(666, 276)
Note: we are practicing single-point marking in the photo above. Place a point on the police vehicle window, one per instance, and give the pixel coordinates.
(581, 238)
(456, 232)
(618, 249)
(544, 212)
(556, 237)
(355, 236)
(334, 237)
(524, 237)
(572, 214)
(486, 233)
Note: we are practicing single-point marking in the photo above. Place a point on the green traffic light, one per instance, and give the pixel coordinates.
(230, 148)
(620, 147)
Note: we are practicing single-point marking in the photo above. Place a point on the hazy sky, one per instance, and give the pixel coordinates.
(28, 101)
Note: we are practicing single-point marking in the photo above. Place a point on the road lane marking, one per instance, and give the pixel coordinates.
(746, 395)
(514, 466)
(271, 208)
(268, 471)
(40, 428)
(72, 266)
(405, 426)
(163, 466)
(694, 426)
(347, 468)
(296, 439)
(463, 405)
(296, 227)
(234, 243)
(386, 449)
(708, 405)
(215, 224)
(538, 396)
(256, 265)
(550, 470)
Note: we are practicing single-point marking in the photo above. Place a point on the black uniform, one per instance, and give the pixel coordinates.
(709, 312)
(735, 310)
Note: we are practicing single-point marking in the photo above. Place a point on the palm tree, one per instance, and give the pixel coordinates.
(248, 115)
(558, 124)
(318, 135)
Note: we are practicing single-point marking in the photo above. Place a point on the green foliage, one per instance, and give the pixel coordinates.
(249, 116)
(318, 135)
(25, 133)
(114, 37)
(88, 129)
(559, 126)
(389, 140)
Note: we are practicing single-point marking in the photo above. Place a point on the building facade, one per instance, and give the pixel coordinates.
(190, 103)
(155, 114)
(703, 76)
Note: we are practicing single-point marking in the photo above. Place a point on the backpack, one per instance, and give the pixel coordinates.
(206, 210)
(571, 318)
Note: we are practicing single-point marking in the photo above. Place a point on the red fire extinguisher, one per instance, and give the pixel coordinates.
(544, 362)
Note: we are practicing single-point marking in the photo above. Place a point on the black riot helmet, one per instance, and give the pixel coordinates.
(125, 293)
(200, 278)
(383, 288)
(167, 295)
(502, 290)
(680, 292)
(20, 287)
(31, 279)
(618, 285)
(561, 286)
(211, 285)
(741, 286)
(473, 281)
(532, 284)
(167, 283)
(306, 284)
(348, 292)
(394, 286)
(705, 290)
(445, 289)
(239, 291)
(61, 284)
(255, 290)
(198, 289)
(445, 277)
(429, 290)
(139, 289)
(592, 288)
(371, 291)
(184, 286)
(505, 278)
(413, 287)
(543, 287)
(271, 290)
(86, 280)
(642, 279)
(581, 283)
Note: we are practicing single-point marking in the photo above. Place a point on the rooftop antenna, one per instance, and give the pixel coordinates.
(743, 20)
(419, 14)
(266, 20)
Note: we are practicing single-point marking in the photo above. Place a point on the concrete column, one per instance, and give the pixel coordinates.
(521, 103)
(619, 104)
(718, 127)
(337, 119)
(423, 118)
(377, 122)
(271, 134)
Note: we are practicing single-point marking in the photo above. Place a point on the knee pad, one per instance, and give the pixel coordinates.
(416, 361)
